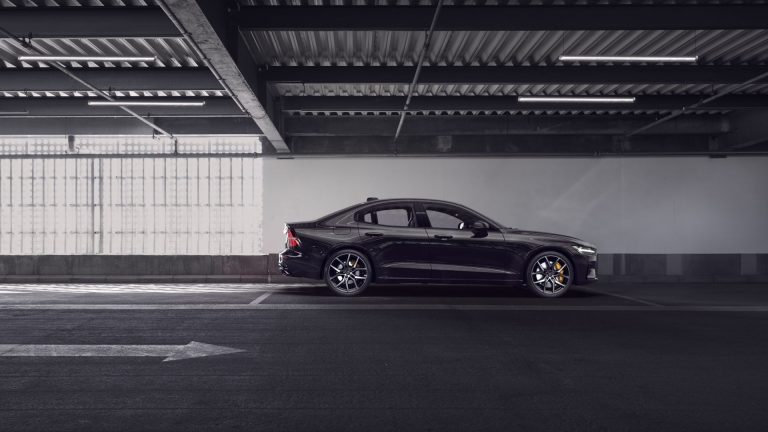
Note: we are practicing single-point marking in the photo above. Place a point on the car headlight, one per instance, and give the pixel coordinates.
(584, 250)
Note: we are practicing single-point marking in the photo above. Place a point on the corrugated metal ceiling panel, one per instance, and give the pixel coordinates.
(170, 52)
(726, 47)
(127, 94)
(505, 90)
(322, 48)
(74, 3)
(496, 112)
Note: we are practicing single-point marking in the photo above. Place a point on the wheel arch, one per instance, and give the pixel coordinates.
(355, 248)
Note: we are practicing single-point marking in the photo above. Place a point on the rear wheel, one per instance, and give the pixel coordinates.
(550, 274)
(348, 272)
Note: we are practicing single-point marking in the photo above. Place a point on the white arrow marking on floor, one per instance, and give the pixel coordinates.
(170, 352)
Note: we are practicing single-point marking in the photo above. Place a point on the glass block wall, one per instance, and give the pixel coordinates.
(132, 205)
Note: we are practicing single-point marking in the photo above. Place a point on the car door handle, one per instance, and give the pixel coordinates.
(374, 234)
(443, 237)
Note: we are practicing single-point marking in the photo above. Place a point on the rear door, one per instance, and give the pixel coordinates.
(460, 253)
(397, 246)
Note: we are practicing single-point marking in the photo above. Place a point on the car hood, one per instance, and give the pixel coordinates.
(547, 236)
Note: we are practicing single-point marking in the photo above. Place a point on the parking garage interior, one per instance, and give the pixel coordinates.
(153, 151)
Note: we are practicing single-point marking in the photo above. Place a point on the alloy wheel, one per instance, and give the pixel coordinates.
(550, 274)
(348, 272)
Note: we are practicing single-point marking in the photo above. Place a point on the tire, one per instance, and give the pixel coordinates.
(549, 274)
(348, 272)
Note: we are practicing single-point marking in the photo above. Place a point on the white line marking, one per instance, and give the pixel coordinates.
(177, 288)
(213, 306)
(170, 352)
(637, 300)
(261, 298)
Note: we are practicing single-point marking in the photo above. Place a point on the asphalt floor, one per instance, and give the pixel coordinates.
(612, 357)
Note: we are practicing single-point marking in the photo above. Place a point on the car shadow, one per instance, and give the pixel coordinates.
(435, 290)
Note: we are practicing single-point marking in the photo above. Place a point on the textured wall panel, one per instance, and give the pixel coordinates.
(131, 206)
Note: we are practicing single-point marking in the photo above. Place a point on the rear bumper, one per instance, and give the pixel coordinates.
(294, 263)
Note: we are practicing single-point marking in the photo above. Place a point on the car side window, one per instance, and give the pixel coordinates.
(400, 216)
(439, 219)
(448, 217)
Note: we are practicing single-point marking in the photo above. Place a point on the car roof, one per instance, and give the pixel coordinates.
(429, 200)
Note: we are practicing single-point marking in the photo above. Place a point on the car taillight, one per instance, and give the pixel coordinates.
(291, 241)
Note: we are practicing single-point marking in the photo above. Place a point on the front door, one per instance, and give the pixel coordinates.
(460, 253)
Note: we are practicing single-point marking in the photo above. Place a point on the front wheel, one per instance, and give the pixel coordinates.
(549, 274)
(348, 272)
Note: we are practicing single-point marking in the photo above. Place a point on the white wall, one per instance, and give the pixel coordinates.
(624, 205)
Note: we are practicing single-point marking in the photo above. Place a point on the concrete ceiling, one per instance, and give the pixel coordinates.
(332, 77)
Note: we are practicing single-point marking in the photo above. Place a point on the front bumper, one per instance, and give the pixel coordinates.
(586, 268)
(592, 269)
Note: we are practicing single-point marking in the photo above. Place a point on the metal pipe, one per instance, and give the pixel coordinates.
(67, 72)
(681, 111)
(415, 80)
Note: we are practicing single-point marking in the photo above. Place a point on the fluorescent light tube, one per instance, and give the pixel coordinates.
(576, 99)
(629, 59)
(86, 58)
(196, 103)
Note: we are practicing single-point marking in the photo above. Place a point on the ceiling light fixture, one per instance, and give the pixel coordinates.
(629, 59)
(41, 58)
(575, 99)
(196, 103)
(14, 112)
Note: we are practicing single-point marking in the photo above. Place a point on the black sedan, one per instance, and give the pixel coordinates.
(420, 240)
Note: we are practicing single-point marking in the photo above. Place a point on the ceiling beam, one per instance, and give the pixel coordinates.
(109, 79)
(516, 74)
(503, 145)
(87, 22)
(503, 18)
(497, 125)
(78, 107)
(207, 35)
(503, 103)
(127, 126)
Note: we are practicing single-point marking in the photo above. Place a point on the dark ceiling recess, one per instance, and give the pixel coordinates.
(333, 77)
(501, 18)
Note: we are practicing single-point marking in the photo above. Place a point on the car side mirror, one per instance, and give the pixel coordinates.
(480, 226)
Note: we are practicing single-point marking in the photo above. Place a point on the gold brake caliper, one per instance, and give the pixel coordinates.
(560, 269)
